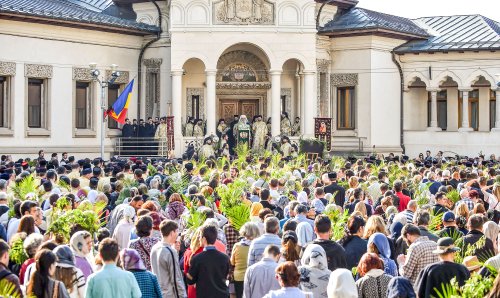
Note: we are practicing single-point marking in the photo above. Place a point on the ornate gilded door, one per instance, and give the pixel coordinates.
(230, 107)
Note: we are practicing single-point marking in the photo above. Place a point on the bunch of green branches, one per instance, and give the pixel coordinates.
(453, 196)
(24, 187)
(238, 215)
(436, 221)
(8, 289)
(477, 286)
(86, 217)
(17, 254)
(339, 221)
(152, 170)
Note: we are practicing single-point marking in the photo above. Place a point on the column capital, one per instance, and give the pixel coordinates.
(211, 72)
(309, 72)
(433, 89)
(177, 72)
(275, 72)
(465, 89)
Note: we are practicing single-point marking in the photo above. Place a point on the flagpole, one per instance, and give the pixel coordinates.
(103, 83)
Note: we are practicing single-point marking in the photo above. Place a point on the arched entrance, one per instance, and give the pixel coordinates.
(242, 82)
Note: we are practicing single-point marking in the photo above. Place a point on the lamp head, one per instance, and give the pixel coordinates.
(114, 67)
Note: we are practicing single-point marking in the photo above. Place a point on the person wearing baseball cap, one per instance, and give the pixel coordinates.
(449, 227)
(431, 280)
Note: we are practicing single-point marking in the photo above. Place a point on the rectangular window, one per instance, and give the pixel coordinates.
(473, 109)
(82, 105)
(113, 93)
(442, 109)
(346, 108)
(493, 108)
(152, 95)
(35, 100)
(195, 106)
(3, 101)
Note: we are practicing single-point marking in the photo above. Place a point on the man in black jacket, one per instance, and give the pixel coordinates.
(482, 252)
(335, 254)
(335, 189)
(434, 277)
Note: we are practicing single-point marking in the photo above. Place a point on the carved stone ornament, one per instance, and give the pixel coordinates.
(287, 92)
(7, 68)
(344, 79)
(82, 74)
(230, 63)
(260, 92)
(242, 12)
(243, 85)
(122, 79)
(323, 65)
(153, 64)
(39, 71)
(189, 102)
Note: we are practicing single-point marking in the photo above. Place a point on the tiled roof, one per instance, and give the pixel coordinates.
(64, 10)
(455, 33)
(97, 5)
(358, 19)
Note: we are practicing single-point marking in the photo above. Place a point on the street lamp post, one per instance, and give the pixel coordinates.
(104, 83)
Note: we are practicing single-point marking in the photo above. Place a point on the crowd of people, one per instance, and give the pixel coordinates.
(250, 226)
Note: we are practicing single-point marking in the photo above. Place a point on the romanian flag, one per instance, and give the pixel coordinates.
(119, 109)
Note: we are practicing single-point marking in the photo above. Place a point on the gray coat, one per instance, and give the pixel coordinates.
(165, 267)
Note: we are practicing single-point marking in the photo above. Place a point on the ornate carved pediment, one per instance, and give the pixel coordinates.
(241, 66)
(323, 65)
(243, 85)
(7, 68)
(153, 64)
(122, 79)
(39, 71)
(82, 74)
(243, 12)
(344, 79)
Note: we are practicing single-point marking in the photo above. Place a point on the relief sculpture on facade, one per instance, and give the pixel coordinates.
(244, 12)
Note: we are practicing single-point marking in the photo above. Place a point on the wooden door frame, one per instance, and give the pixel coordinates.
(237, 97)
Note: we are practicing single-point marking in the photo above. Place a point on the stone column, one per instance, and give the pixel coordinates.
(302, 104)
(275, 102)
(310, 104)
(434, 118)
(298, 107)
(210, 104)
(177, 101)
(465, 110)
(497, 112)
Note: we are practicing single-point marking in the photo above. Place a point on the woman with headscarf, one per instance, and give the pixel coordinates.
(145, 243)
(491, 231)
(305, 233)
(400, 287)
(314, 272)
(254, 212)
(373, 282)
(379, 244)
(68, 274)
(123, 230)
(92, 196)
(156, 224)
(148, 283)
(81, 244)
(341, 284)
(175, 209)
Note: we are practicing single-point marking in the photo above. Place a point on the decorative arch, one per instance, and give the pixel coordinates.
(177, 15)
(241, 39)
(146, 19)
(412, 77)
(289, 14)
(242, 66)
(295, 56)
(197, 13)
(188, 56)
(474, 76)
(309, 17)
(442, 77)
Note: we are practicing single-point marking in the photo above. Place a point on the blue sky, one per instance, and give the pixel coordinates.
(421, 8)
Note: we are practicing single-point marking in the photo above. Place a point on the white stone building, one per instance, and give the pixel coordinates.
(389, 84)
